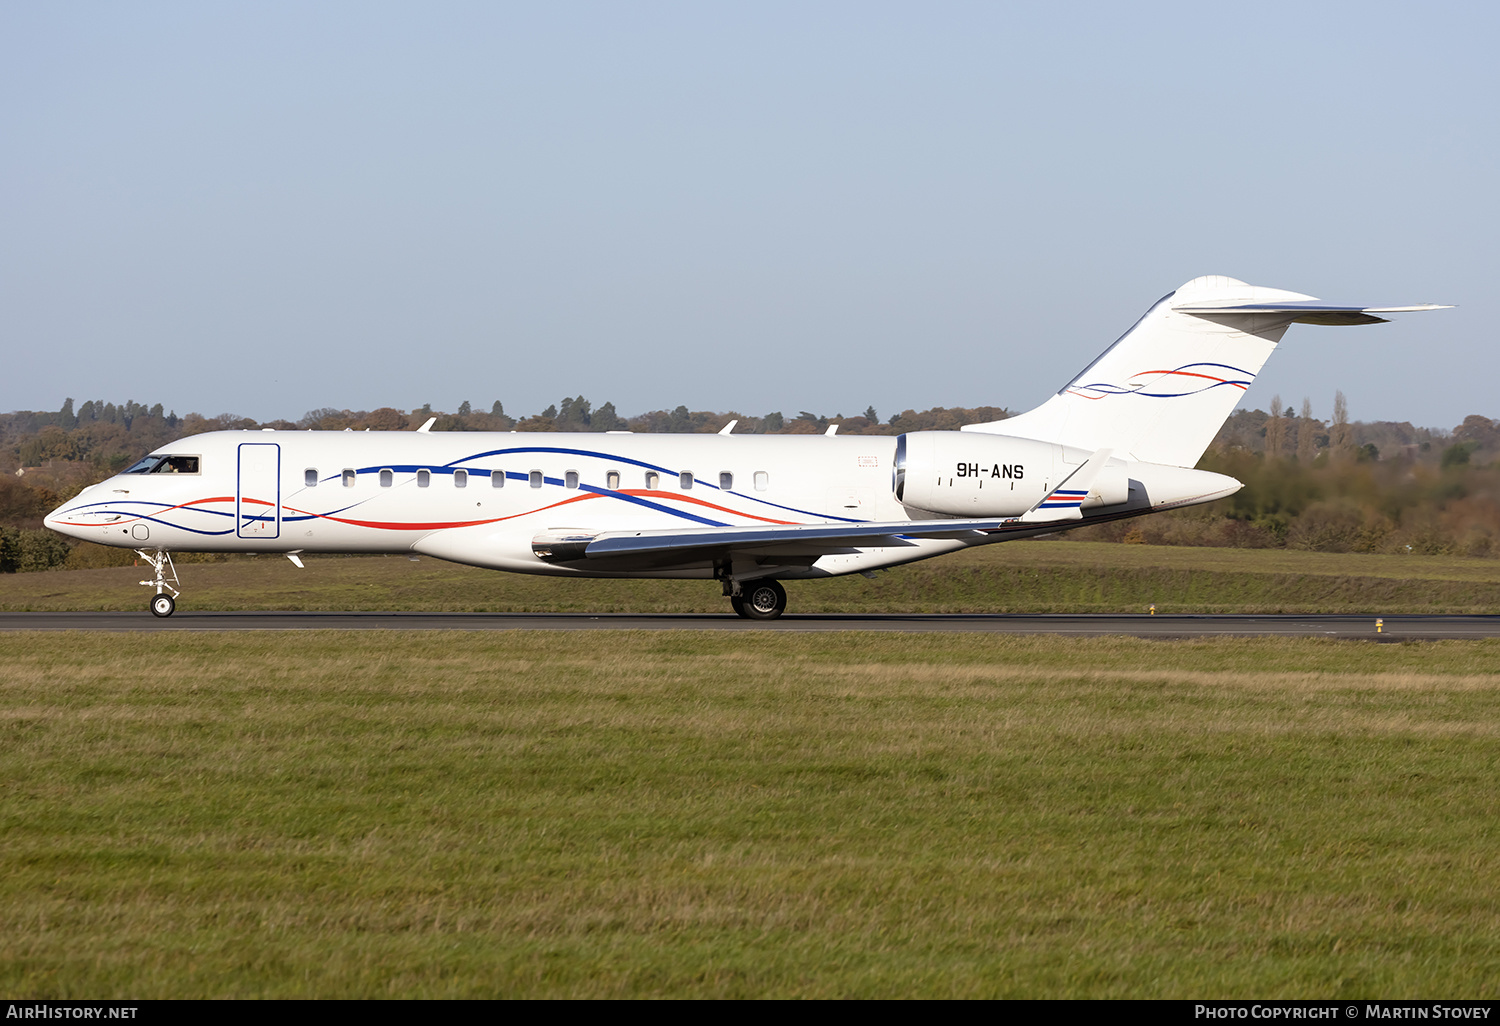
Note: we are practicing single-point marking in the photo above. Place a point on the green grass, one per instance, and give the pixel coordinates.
(1014, 577)
(686, 814)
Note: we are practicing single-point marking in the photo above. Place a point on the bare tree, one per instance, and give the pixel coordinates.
(1340, 436)
(1275, 430)
(1306, 449)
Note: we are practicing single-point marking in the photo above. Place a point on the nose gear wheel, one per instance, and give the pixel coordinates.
(160, 561)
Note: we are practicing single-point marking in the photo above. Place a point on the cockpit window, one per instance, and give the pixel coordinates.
(165, 465)
(176, 465)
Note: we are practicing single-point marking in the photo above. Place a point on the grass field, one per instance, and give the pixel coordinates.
(1040, 576)
(694, 814)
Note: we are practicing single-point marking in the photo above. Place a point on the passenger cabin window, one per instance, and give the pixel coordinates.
(424, 478)
(310, 477)
(497, 479)
(726, 480)
(653, 481)
(762, 480)
(536, 479)
(570, 479)
(612, 480)
(460, 479)
(387, 478)
(348, 478)
(685, 480)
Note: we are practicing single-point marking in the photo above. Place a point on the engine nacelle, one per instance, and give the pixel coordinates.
(972, 474)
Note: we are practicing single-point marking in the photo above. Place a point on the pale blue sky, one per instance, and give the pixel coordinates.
(264, 208)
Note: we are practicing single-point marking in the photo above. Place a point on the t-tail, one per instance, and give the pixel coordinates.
(1162, 391)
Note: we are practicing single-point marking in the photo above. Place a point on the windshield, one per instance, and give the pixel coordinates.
(157, 464)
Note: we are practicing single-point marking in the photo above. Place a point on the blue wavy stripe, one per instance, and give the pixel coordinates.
(179, 527)
(144, 502)
(452, 465)
(1196, 391)
(641, 501)
(566, 452)
(1108, 388)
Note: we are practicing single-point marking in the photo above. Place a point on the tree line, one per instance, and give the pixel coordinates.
(103, 438)
(1310, 483)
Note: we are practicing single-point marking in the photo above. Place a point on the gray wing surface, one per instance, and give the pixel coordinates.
(788, 543)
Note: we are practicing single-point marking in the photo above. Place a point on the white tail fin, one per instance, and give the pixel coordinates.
(1163, 390)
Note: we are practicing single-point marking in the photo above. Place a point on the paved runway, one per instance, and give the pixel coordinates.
(1394, 628)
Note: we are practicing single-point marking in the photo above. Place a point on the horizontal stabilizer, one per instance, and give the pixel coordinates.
(1307, 311)
(1163, 390)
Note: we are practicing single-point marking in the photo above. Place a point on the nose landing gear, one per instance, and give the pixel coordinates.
(161, 604)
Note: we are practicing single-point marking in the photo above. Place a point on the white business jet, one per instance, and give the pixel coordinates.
(1119, 440)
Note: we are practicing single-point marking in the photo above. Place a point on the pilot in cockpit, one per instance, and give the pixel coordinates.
(165, 465)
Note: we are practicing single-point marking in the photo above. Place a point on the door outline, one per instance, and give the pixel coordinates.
(251, 519)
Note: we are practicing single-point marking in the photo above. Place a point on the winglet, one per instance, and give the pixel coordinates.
(1065, 502)
(428, 426)
(728, 428)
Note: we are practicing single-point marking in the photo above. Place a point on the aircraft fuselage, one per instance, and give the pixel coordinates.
(485, 499)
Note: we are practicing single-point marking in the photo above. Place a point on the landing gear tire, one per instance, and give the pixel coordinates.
(737, 604)
(762, 600)
(164, 580)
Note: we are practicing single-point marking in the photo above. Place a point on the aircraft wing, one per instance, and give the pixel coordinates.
(799, 542)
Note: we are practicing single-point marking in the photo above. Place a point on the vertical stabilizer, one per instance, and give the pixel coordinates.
(1163, 390)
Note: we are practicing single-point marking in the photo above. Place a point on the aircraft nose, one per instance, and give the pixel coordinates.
(83, 517)
(59, 520)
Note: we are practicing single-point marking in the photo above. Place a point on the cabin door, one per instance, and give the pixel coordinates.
(257, 493)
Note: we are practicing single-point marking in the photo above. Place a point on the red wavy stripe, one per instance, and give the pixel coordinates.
(127, 519)
(1193, 374)
(675, 497)
(392, 525)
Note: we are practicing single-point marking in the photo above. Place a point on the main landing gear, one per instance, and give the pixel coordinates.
(161, 603)
(760, 600)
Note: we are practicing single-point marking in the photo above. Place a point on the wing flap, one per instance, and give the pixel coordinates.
(801, 539)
